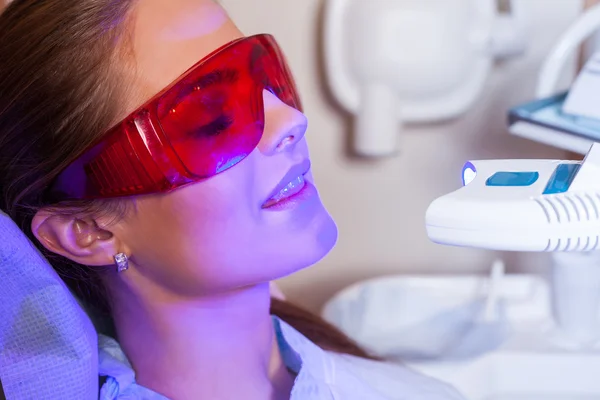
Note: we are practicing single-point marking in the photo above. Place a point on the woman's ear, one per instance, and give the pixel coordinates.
(79, 239)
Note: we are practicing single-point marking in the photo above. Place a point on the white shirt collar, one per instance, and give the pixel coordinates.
(317, 375)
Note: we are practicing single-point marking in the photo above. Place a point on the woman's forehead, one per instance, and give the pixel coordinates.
(171, 36)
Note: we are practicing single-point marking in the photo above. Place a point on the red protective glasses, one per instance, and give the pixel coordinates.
(205, 122)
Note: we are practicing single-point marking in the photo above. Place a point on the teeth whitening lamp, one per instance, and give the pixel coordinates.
(390, 62)
(522, 205)
(543, 205)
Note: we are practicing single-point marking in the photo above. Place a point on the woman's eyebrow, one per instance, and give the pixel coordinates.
(215, 77)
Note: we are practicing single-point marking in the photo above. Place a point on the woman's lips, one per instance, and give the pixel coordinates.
(291, 185)
(293, 188)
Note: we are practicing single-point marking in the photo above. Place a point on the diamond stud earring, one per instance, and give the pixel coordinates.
(121, 261)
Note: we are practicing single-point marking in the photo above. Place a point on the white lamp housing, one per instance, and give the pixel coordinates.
(395, 61)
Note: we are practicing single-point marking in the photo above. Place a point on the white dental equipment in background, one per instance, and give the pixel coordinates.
(570, 120)
(391, 62)
(543, 205)
(541, 340)
(534, 205)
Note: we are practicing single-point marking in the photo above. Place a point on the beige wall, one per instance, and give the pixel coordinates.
(380, 206)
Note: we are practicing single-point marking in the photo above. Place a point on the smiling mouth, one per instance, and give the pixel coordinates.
(294, 187)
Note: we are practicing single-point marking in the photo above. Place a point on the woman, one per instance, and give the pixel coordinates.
(173, 200)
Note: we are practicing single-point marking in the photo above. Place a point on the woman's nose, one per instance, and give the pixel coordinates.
(284, 126)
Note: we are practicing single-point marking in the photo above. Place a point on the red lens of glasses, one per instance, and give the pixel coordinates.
(214, 117)
(207, 121)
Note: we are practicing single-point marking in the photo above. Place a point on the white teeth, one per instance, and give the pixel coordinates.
(289, 189)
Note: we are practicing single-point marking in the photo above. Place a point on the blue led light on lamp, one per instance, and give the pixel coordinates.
(513, 178)
(468, 173)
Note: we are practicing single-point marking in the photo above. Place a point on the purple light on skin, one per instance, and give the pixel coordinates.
(230, 163)
(469, 172)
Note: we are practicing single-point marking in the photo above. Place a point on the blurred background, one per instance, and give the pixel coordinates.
(380, 204)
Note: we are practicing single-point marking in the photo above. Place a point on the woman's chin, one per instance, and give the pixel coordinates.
(326, 237)
(323, 241)
(283, 255)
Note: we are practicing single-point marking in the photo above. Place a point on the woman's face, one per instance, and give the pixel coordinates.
(219, 234)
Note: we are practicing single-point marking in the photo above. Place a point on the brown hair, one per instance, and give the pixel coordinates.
(61, 82)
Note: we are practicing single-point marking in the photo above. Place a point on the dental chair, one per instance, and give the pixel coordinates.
(48, 344)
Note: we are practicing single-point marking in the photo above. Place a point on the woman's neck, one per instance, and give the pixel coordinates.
(215, 347)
